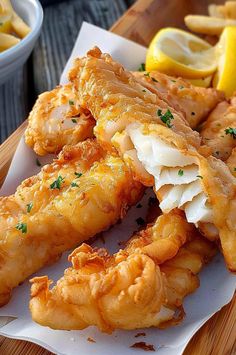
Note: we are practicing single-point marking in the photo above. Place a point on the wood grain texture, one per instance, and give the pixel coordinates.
(140, 23)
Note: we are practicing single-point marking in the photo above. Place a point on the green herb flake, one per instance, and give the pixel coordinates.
(173, 81)
(155, 80)
(147, 74)
(74, 120)
(78, 175)
(200, 176)
(181, 87)
(234, 169)
(29, 207)
(141, 67)
(231, 131)
(57, 183)
(38, 162)
(166, 117)
(71, 102)
(180, 172)
(22, 227)
(139, 205)
(140, 221)
(73, 184)
(144, 90)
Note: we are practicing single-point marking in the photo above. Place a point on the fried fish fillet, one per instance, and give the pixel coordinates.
(79, 195)
(219, 130)
(194, 102)
(130, 289)
(57, 120)
(159, 146)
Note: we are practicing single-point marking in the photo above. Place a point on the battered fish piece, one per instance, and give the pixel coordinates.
(194, 102)
(219, 130)
(159, 146)
(79, 195)
(128, 290)
(57, 120)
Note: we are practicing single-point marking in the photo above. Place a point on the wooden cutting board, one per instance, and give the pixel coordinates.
(140, 23)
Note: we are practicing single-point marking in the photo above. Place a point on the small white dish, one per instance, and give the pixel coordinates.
(13, 58)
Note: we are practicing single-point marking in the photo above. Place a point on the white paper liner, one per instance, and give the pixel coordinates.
(217, 284)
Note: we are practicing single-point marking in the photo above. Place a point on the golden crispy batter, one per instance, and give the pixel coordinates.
(194, 102)
(56, 120)
(231, 162)
(115, 98)
(217, 131)
(128, 290)
(159, 146)
(57, 209)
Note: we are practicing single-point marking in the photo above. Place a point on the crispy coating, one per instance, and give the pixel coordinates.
(61, 216)
(128, 290)
(214, 131)
(116, 98)
(57, 120)
(231, 162)
(194, 102)
(159, 146)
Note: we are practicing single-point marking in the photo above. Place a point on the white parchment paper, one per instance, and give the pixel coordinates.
(217, 284)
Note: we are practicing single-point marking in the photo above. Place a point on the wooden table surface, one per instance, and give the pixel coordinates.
(61, 24)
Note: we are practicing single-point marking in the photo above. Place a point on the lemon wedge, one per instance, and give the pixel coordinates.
(225, 77)
(179, 53)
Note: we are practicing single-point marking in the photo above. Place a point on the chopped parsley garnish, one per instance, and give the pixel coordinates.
(165, 117)
(151, 201)
(38, 162)
(78, 175)
(141, 67)
(155, 80)
(74, 120)
(57, 183)
(139, 205)
(231, 131)
(73, 184)
(140, 221)
(173, 81)
(193, 113)
(147, 74)
(22, 227)
(181, 87)
(180, 172)
(200, 176)
(144, 90)
(71, 102)
(29, 207)
(234, 169)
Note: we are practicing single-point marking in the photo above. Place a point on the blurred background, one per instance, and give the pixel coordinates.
(62, 21)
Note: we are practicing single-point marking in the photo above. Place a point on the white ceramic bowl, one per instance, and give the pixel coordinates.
(13, 58)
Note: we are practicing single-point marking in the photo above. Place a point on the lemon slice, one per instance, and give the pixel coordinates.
(5, 23)
(176, 52)
(225, 77)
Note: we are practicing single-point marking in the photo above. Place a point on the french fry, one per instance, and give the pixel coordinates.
(230, 8)
(207, 25)
(19, 26)
(7, 41)
(214, 11)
